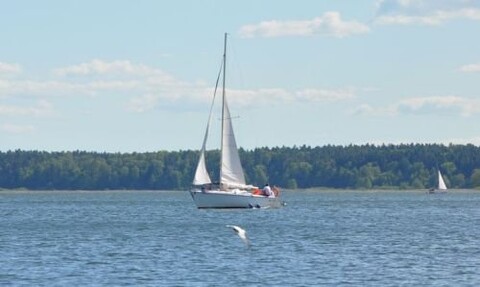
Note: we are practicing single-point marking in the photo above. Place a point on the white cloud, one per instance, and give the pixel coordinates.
(143, 103)
(66, 88)
(41, 108)
(423, 6)
(16, 129)
(117, 67)
(435, 18)
(143, 88)
(258, 97)
(38, 88)
(330, 24)
(6, 68)
(368, 110)
(316, 95)
(464, 106)
(425, 12)
(275, 95)
(247, 98)
(424, 105)
(470, 68)
(151, 88)
(98, 77)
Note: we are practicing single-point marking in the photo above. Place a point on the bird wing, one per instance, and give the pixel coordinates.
(241, 233)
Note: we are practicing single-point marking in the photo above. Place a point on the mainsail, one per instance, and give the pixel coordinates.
(231, 172)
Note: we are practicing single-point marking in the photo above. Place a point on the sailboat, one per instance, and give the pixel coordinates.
(442, 187)
(231, 191)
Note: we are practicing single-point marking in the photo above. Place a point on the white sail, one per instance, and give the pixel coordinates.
(201, 174)
(231, 172)
(441, 183)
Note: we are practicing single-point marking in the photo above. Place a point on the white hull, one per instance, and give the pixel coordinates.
(222, 199)
(437, 191)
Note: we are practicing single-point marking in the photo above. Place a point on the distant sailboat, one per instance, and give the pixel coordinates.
(441, 187)
(231, 191)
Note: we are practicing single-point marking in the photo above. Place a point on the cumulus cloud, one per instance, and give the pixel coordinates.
(258, 97)
(424, 105)
(7, 68)
(434, 104)
(329, 24)
(425, 12)
(323, 95)
(142, 88)
(98, 77)
(143, 103)
(250, 98)
(435, 18)
(150, 88)
(368, 110)
(268, 96)
(470, 68)
(36, 88)
(100, 67)
(41, 108)
(423, 6)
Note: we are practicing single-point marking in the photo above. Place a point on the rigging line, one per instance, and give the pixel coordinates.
(211, 108)
(216, 83)
(231, 117)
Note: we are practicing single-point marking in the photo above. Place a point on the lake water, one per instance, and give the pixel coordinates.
(332, 238)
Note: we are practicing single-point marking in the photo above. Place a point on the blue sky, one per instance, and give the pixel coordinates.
(135, 76)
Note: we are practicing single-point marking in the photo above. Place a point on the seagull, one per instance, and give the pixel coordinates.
(241, 233)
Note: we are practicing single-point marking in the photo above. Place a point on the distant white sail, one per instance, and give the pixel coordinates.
(441, 183)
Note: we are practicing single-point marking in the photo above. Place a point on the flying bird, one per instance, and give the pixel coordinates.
(241, 233)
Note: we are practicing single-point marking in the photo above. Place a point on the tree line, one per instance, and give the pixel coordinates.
(406, 166)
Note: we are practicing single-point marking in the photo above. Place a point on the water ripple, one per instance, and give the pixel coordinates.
(329, 238)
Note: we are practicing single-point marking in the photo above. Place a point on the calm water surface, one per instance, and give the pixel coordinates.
(332, 238)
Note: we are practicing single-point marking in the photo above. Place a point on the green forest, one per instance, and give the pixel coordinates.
(407, 166)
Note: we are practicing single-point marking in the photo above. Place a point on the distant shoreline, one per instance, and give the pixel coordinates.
(320, 189)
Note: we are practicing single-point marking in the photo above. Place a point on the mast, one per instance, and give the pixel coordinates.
(223, 101)
(231, 171)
